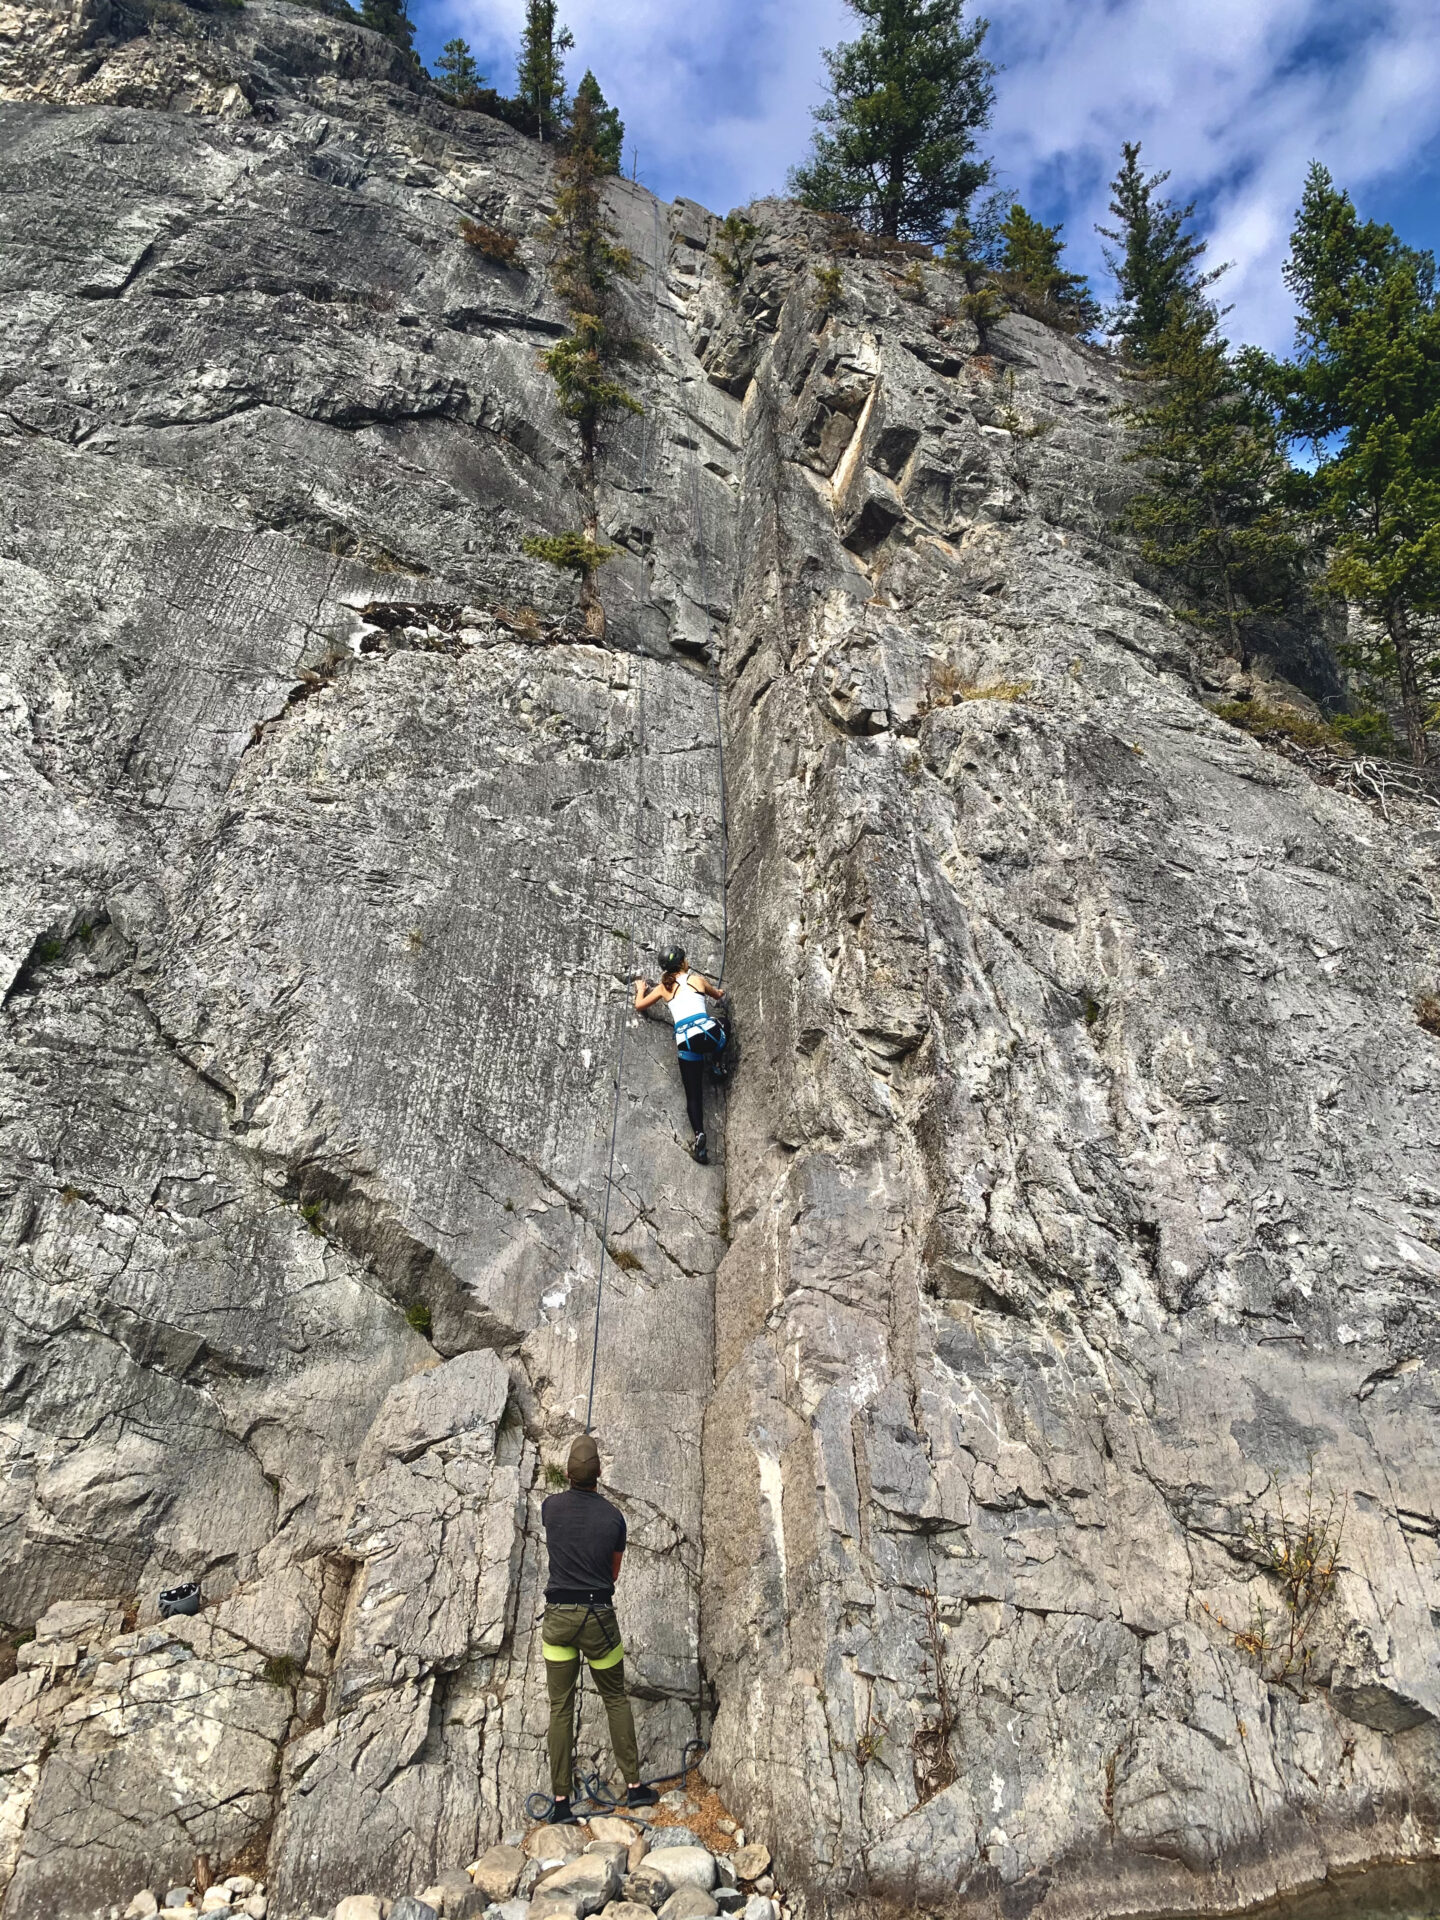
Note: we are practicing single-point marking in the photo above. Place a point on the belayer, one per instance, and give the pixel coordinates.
(585, 1538)
(699, 1036)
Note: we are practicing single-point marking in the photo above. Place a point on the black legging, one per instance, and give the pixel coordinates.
(692, 1072)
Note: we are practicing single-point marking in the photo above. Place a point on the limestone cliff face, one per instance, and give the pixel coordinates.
(1075, 1202)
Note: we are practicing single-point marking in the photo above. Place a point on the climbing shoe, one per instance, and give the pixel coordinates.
(700, 1154)
(641, 1797)
(562, 1814)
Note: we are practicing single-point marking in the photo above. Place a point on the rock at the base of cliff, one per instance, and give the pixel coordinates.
(358, 1906)
(591, 1878)
(684, 1867)
(618, 1832)
(750, 1862)
(689, 1903)
(497, 1873)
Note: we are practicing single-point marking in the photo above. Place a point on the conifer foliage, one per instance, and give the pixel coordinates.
(1031, 275)
(541, 75)
(894, 145)
(608, 138)
(392, 18)
(1153, 257)
(1364, 391)
(457, 72)
(1211, 512)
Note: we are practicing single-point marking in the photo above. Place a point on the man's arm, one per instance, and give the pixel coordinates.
(615, 1560)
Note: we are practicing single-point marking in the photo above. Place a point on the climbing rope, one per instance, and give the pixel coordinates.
(652, 434)
(592, 1789)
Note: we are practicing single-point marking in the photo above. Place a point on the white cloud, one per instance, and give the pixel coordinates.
(1235, 97)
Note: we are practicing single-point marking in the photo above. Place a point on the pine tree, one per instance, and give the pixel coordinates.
(608, 137)
(894, 145)
(1212, 511)
(1030, 274)
(588, 268)
(1154, 260)
(1365, 393)
(456, 70)
(392, 18)
(542, 67)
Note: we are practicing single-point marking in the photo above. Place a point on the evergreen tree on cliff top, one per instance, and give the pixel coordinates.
(1031, 273)
(605, 130)
(1153, 258)
(894, 145)
(1365, 393)
(392, 18)
(541, 74)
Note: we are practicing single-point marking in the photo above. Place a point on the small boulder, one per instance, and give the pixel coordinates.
(179, 1897)
(591, 1878)
(554, 1843)
(254, 1906)
(645, 1887)
(358, 1906)
(759, 1907)
(638, 1850)
(603, 1827)
(625, 1910)
(510, 1910)
(729, 1899)
(750, 1862)
(407, 1907)
(239, 1885)
(683, 1866)
(497, 1872)
(688, 1903)
(214, 1897)
(612, 1850)
(557, 1905)
(142, 1906)
(673, 1837)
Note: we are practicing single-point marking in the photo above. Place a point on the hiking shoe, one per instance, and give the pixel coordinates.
(642, 1797)
(700, 1154)
(561, 1814)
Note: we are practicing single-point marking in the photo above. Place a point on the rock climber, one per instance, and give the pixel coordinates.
(585, 1539)
(699, 1036)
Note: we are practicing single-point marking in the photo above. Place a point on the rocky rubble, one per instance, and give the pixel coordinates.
(1074, 1211)
(617, 1868)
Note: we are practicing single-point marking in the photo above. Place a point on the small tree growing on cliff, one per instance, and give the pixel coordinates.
(588, 268)
(1212, 510)
(543, 46)
(1365, 393)
(392, 18)
(608, 129)
(894, 145)
(457, 72)
(1031, 274)
(1153, 257)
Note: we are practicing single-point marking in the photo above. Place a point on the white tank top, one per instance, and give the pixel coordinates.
(687, 1005)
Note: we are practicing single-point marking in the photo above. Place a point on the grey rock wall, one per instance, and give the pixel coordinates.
(1075, 1203)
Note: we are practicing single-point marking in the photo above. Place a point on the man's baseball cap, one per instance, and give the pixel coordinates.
(584, 1461)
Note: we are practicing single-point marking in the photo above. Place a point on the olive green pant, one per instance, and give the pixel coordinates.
(565, 1634)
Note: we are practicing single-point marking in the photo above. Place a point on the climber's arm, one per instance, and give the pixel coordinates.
(646, 995)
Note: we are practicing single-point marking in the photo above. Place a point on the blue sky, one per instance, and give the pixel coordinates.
(1233, 96)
